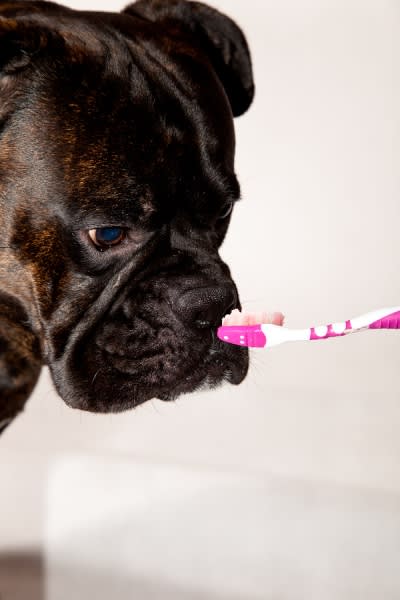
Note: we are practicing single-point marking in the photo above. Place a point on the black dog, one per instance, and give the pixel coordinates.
(116, 187)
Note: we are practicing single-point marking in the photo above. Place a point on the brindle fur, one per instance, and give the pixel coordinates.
(110, 118)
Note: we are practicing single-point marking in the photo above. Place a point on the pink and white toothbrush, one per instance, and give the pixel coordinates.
(263, 331)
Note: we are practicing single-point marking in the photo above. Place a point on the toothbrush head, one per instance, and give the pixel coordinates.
(246, 330)
(248, 336)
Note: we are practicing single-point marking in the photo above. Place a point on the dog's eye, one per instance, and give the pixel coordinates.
(226, 210)
(107, 237)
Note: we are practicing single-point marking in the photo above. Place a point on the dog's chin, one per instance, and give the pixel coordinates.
(111, 388)
(215, 374)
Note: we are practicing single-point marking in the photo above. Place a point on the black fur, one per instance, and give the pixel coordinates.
(125, 120)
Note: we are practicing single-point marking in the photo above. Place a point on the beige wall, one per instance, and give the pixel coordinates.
(316, 236)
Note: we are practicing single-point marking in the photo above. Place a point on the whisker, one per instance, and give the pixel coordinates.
(94, 378)
(155, 406)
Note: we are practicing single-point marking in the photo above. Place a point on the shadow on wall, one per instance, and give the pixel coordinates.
(92, 583)
(21, 576)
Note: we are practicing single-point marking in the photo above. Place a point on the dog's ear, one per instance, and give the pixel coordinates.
(219, 37)
(21, 41)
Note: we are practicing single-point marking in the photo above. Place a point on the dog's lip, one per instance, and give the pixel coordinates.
(230, 370)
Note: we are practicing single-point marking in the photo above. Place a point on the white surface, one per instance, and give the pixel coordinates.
(153, 532)
(315, 236)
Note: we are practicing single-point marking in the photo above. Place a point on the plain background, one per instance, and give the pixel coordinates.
(316, 236)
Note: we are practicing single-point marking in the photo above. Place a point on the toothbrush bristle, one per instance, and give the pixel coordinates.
(238, 318)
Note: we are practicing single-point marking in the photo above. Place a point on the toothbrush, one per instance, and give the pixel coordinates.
(237, 330)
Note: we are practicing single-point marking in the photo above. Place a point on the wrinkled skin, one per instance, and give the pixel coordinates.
(121, 120)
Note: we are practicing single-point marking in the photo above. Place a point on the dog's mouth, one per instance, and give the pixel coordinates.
(116, 378)
(216, 369)
(164, 376)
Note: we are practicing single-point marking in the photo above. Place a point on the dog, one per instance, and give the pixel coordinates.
(117, 184)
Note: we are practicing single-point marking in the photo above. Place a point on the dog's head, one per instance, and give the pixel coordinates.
(117, 183)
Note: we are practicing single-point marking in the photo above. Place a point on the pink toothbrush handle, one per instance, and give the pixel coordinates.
(386, 321)
(390, 322)
(329, 331)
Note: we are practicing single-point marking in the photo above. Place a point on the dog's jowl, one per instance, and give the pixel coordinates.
(117, 183)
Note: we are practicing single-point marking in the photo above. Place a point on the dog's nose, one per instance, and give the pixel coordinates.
(205, 307)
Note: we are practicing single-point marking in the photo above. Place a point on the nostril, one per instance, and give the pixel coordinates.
(202, 323)
(208, 317)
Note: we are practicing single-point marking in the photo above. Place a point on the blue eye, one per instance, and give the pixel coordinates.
(106, 237)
